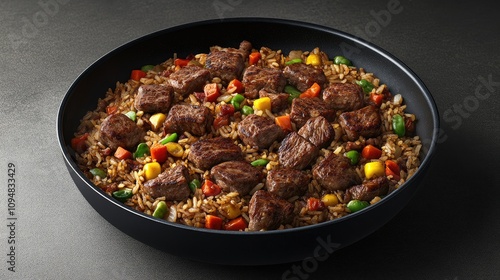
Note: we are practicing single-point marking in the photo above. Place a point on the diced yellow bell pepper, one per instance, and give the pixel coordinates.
(313, 59)
(230, 211)
(152, 170)
(330, 200)
(157, 120)
(374, 169)
(262, 103)
(175, 149)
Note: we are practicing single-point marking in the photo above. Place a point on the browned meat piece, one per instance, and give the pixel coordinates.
(172, 184)
(191, 118)
(296, 152)
(335, 173)
(228, 63)
(154, 98)
(118, 130)
(256, 78)
(209, 152)
(345, 97)
(189, 79)
(364, 122)
(287, 182)
(268, 211)
(368, 190)
(306, 108)
(279, 101)
(303, 76)
(259, 131)
(236, 176)
(318, 131)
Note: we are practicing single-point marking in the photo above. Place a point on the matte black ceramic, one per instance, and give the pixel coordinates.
(246, 248)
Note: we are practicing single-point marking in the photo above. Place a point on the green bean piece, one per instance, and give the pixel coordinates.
(342, 60)
(293, 61)
(98, 172)
(142, 149)
(365, 85)
(260, 162)
(398, 125)
(356, 205)
(131, 115)
(194, 184)
(353, 156)
(148, 67)
(123, 194)
(171, 138)
(294, 93)
(247, 110)
(160, 210)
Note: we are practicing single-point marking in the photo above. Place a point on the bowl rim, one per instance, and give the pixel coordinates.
(66, 151)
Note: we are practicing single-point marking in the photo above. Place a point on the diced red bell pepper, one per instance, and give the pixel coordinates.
(392, 169)
(181, 62)
(122, 153)
(314, 204)
(213, 222)
(312, 91)
(235, 86)
(376, 98)
(253, 58)
(371, 152)
(209, 188)
(110, 110)
(212, 92)
(137, 74)
(159, 153)
(236, 224)
(284, 122)
(78, 143)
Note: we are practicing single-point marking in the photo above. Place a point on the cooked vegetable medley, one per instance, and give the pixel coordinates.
(249, 139)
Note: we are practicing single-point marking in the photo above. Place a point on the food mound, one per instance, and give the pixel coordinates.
(249, 139)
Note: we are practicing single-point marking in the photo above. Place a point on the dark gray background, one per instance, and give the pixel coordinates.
(450, 229)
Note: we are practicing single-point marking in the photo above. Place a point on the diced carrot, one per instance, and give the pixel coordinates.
(213, 222)
(209, 188)
(136, 75)
(110, 110)
(236, 224)
(371, 152)
(159, 153)
(211, 92)
(314, 204)
(392, 169)
(122, 153)
(376, 98)
(284, 122)
(78, 143)
(312, 91)
(235, 86)
(253, 58)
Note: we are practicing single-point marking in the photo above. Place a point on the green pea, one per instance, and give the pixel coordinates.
(294, 93)
(259, 162)
(398, 125)
(171, 138)
(238, 98)
(194, 184)
(356, 205)
(365, 85)
(148, 67)
(160, 210)
(247, 110)
(235, 104)
(342, 60)
(131, 115)
(142, 149)
(293, 61)
(123, 194)
(353, 156)
(98, 172)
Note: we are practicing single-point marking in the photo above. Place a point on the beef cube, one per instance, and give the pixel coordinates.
(306, 108)
(368, 190)
(154, 98)
(172, 184)
(268, 211)
(256, 78)
(318, 131)
(303, 76)
(259, 131)
(287, 182)
(236, 176)
(279, 101)
(365, 122)
(118, 130)
(344, 96)
(194, 119)
(228, 63)
(335, 173)
(189, 79)
(296, 152)
(209, 152)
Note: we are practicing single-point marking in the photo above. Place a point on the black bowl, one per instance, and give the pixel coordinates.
(245, 248)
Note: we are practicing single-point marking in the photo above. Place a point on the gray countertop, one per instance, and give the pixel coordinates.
(448, 231)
